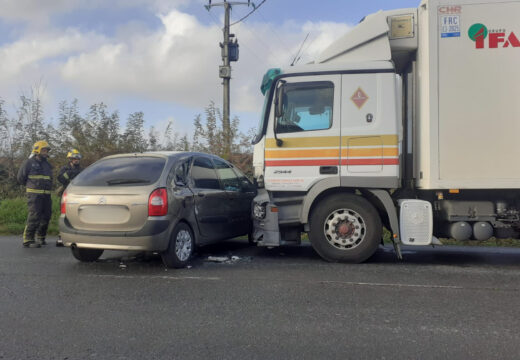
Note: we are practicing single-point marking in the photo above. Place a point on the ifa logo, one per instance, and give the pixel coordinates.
(499, 38)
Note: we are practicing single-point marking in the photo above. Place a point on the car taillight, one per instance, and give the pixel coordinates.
(158, 203)
(64, 202)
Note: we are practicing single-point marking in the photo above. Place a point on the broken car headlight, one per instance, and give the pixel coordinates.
(259, 211)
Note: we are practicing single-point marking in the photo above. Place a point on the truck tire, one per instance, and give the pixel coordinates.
(345, 228)
(180, 250)
(86, 255)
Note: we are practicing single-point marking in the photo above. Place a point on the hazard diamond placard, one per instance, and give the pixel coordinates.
(359, 98)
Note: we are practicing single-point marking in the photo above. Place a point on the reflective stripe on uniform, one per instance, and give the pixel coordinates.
(44, 177)
(25, 237)
(66, 176)
(38, 191)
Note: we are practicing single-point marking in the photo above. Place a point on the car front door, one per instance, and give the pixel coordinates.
(240, 192)
(211, 201)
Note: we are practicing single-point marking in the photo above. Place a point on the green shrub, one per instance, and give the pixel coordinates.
(13, 214)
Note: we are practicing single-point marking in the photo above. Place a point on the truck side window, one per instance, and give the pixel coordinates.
(306, 107)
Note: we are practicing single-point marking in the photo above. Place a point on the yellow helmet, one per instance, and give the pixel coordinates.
(39, 145)
(74, 154)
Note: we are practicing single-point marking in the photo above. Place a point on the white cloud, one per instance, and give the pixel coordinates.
(179, 62)
(176, 63)
(34, 50)
(34, 10)
(38, 12)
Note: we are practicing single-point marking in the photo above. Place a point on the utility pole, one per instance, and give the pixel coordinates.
(229, 53)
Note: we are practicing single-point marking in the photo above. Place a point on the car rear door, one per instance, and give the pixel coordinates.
(211, 202)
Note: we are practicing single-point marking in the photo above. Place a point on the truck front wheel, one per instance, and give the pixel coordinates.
(345, 228)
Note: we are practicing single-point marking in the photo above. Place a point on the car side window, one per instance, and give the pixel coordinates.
(228, 178)
(203, 174)
(178, 176)
(245, 184)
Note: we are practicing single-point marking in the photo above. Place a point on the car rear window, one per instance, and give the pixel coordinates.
(130, 171)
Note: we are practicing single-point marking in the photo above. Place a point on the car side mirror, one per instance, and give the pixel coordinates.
(247, 186)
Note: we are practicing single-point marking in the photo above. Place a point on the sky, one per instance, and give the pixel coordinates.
(160, 56)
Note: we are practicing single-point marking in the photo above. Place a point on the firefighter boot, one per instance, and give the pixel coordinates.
(31, 244)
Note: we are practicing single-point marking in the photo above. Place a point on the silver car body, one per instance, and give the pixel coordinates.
(115, 217)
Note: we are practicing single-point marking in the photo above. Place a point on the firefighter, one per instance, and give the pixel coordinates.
(36, 175)
(66, 174)
(69, 171)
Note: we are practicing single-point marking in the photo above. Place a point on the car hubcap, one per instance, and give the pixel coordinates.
(183, 245)
(344, 229)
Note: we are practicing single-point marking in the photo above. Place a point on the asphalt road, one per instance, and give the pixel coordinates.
(451, 303)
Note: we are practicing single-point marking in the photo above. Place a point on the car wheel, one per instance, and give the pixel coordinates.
(86, 255)
(345, 228)
(180, 248)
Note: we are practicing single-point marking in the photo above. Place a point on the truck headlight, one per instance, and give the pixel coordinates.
(259, 211)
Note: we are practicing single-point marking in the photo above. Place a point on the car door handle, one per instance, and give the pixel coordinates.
(201, 194)
(328, 170)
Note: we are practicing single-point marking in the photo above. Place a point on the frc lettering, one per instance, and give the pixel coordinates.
(496, 39)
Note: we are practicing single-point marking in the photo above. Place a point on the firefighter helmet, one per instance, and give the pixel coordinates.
(39, 145)
(73, 154)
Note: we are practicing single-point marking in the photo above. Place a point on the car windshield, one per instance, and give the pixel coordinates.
(133, 171)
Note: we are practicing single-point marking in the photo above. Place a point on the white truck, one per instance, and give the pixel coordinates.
(410, 121)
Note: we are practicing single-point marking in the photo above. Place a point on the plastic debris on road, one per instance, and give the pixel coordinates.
(223, 259)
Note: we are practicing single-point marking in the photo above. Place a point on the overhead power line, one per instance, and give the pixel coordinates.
(255, 7)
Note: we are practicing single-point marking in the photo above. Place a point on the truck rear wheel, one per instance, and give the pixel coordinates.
(345, 228)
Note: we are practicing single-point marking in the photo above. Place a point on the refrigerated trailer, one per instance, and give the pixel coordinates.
(410, 121)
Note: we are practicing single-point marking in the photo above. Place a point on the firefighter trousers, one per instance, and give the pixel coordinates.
(39, 211)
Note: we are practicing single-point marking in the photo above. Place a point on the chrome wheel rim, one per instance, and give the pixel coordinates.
(183, 245)
(344, 229)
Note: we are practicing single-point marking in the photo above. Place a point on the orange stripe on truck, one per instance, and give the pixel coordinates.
(324, 153)
(315, 153)
(333, 141)
(332, 162)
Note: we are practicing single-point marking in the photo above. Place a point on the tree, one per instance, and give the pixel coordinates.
(104, 130)
(153, 140)
(209, 136)
(133, 139)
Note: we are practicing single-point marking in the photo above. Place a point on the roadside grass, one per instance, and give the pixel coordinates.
(13, 213)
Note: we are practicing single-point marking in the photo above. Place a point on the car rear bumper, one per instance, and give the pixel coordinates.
(153, 236)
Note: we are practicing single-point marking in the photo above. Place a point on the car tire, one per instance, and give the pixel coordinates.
(86, 255)
(180, 249)
(345, 228)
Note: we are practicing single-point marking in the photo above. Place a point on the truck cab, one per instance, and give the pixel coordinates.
(404, 122)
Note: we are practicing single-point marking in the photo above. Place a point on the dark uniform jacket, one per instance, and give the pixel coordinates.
(67, 173)
(36, 175)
